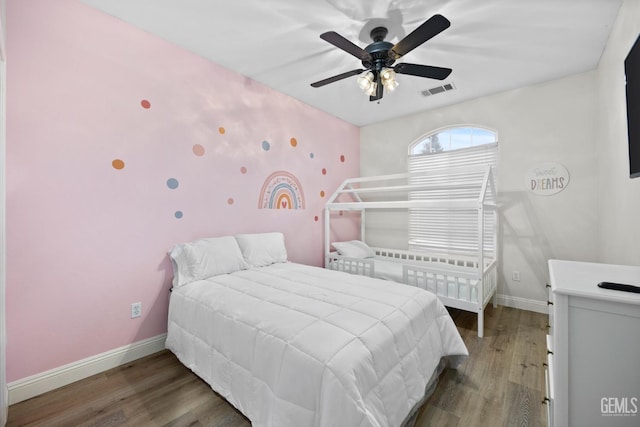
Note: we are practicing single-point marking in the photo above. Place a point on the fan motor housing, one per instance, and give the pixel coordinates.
(379, 50)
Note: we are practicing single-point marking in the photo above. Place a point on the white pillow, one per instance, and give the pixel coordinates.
(262, 248)
(205, 258)
(354, 249)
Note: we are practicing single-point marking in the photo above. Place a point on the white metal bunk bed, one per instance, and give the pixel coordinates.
(465, 279)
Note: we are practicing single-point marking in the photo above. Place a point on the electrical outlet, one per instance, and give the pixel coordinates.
(515, 276)
(136, 310)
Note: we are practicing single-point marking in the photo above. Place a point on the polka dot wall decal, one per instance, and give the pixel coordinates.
(178, 214)
(172, 183)
(230, 201)
(117, 164)
(198, 150)
(243, 170)
(315, 218)
(145, 104)
(266, 146)
(322, 193)
(342, 159)
(221, 130)
(293, 142)
(324, 171)
(311, 155)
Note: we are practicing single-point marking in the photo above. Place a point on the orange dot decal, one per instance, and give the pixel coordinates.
(294, 142)
(117, 164)
(322, 193)
(198, 150)
(230, 201)
(145, 104)
(221, 130)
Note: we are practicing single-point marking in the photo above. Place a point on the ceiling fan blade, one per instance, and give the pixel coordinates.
(430, 28)
(427, 71)
(379, 90)
(340, 42)
(336, 78)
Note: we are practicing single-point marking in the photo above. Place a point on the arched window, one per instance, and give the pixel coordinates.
(453, 139)
(455, 146)
(441, 154)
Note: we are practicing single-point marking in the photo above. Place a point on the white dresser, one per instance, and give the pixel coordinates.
(593, 363)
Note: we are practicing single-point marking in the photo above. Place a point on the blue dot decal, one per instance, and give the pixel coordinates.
(311, 155)
(266, 146)
(178, 214)
(172, 183)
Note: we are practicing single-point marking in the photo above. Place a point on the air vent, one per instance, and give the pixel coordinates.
(438, 89)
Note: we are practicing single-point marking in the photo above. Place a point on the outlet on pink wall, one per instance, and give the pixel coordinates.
(120, 145)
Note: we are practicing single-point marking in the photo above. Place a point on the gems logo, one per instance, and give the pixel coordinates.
(619, 406)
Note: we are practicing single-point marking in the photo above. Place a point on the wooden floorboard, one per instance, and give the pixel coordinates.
(501, 383)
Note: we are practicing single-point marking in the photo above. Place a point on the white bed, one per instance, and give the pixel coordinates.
(292, 345)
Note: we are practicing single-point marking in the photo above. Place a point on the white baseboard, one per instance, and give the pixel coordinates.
(35, 385)
(523, 303)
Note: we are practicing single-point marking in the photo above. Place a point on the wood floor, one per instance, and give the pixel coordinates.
(500, 384)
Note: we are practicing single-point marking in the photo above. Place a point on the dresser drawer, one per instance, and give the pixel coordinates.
(548, 396)
(550, 357)
(549, 376)
(550, 309)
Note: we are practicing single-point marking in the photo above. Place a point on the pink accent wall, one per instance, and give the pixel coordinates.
(120, 145)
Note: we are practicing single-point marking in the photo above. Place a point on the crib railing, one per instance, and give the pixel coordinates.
(490, 281)
(445, 282)
(404, 256)
(361, 266)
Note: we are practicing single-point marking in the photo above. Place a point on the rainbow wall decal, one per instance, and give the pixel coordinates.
(281, 190)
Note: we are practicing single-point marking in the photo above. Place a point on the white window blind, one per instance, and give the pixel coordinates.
(453, 232)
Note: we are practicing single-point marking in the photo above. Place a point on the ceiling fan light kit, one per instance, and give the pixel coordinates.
(378, 58)
(388, 77)
(367, 83)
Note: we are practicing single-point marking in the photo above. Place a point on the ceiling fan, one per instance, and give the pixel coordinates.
(378, 57)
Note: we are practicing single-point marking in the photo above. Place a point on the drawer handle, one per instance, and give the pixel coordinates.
(548, 285)
(548, 326)
(545, 401)
(549, 352)
(545, 364)
(549, 303)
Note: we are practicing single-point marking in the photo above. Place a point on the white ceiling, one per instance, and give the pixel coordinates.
(492, 45)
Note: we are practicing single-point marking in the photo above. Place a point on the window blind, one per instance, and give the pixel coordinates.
(453, 232)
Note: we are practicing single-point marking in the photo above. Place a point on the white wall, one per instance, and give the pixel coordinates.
(619, 204)
(553, 121)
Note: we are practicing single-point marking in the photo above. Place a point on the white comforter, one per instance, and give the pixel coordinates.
(291, 345)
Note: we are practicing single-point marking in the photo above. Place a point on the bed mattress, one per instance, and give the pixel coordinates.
(291, 345)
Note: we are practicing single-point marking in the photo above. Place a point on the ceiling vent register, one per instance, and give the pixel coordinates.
(438, 89)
